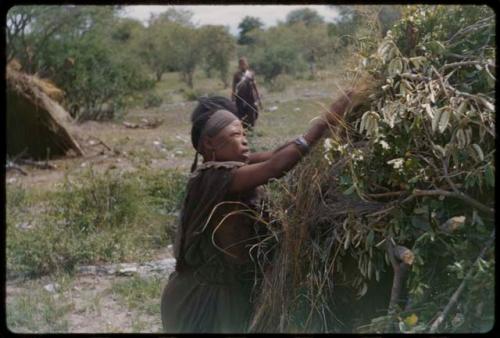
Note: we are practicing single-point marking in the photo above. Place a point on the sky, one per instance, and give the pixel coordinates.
(231, 15)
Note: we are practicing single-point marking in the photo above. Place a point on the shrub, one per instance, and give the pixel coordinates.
(104, 217)
(152, 100)
(279, 83)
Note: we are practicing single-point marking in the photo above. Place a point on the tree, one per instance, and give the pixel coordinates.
(155, 47)
(180, 16)
(277, 52)
(186, 51)
(247, 25)
(218, 48)
(126, 29)
(313, 42)
(74, 47)
(308, 16)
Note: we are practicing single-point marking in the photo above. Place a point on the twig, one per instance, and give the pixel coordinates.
(102, 142)
(387, 194)
(401, 259)
(475, 26)
(441, 81)
(447, 176)
(414, 77)
(454, 298)
(465, 63)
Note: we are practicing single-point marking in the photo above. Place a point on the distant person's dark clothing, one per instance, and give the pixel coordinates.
(246, 95)
(210, 291)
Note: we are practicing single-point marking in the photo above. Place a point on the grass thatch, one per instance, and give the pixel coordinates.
(36, 124)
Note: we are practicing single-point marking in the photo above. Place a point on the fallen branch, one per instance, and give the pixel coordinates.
(454, 298)
(144, 125)
(12, 166)
(130, 125)
(37, 164)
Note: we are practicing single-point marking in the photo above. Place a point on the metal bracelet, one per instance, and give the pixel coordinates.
(302, 144)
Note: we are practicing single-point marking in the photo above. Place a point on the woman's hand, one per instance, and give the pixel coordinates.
(338, 108)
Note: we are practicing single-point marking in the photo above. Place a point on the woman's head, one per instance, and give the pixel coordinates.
(224, 138)
(216, 115)
(243, 63)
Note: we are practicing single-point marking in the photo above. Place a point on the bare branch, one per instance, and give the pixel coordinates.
(459, 195)
(454, 298)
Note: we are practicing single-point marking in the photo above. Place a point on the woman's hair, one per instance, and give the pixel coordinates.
(205, 108)
(200, 115)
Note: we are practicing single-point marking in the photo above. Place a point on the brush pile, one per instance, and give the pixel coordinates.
(389, 224)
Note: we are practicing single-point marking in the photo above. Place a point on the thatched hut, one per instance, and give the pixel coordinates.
(37, 126)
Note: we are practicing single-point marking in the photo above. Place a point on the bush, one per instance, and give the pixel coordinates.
(106, 217)
(192, 94)
(280, 83)
(152, 100)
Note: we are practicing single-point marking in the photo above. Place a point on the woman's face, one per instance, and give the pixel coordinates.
(243, 65)
(230, 144)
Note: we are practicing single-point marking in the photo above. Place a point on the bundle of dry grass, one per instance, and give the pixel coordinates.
(357, 223)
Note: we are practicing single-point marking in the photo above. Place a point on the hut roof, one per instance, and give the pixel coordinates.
(37, 125)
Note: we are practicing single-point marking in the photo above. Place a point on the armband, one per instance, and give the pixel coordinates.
(302, 144)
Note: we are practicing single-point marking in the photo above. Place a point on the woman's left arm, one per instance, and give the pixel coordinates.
(264, 155)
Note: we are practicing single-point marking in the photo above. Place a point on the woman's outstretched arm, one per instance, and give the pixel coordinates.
(286, 157)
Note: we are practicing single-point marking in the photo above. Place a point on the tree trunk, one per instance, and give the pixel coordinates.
(159, 75)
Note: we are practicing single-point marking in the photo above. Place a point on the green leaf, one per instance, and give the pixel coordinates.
(349, 190)
(395, 67)
(489, 175)
(369, 238)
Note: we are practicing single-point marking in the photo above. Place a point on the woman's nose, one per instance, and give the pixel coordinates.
(245, 142)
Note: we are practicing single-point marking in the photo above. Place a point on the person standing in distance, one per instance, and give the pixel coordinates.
(245, 94)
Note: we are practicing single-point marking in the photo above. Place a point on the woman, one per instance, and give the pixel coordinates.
(245, 94)
(210, 291)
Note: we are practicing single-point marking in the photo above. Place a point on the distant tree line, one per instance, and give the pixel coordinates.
(98, 56)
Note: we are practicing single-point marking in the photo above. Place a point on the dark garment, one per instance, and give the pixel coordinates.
(245, 97)
(210, 291)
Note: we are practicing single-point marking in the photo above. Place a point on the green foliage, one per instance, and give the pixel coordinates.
(218, 49)
(414, 164)
(246, 26)
(152, 100)
(440, 116)
(175, 15)
(308, 17)
(280, 83)
(105, 217)
(155, 44)
(78, 48)
(192, 94)
(277, 53)
(186, 42)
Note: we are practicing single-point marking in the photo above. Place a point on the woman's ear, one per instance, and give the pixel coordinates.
(207, 145)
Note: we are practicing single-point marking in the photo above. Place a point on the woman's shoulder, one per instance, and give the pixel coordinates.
(217, 165)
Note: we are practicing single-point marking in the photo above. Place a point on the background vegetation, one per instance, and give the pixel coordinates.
(110, 66)
(102, 59)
